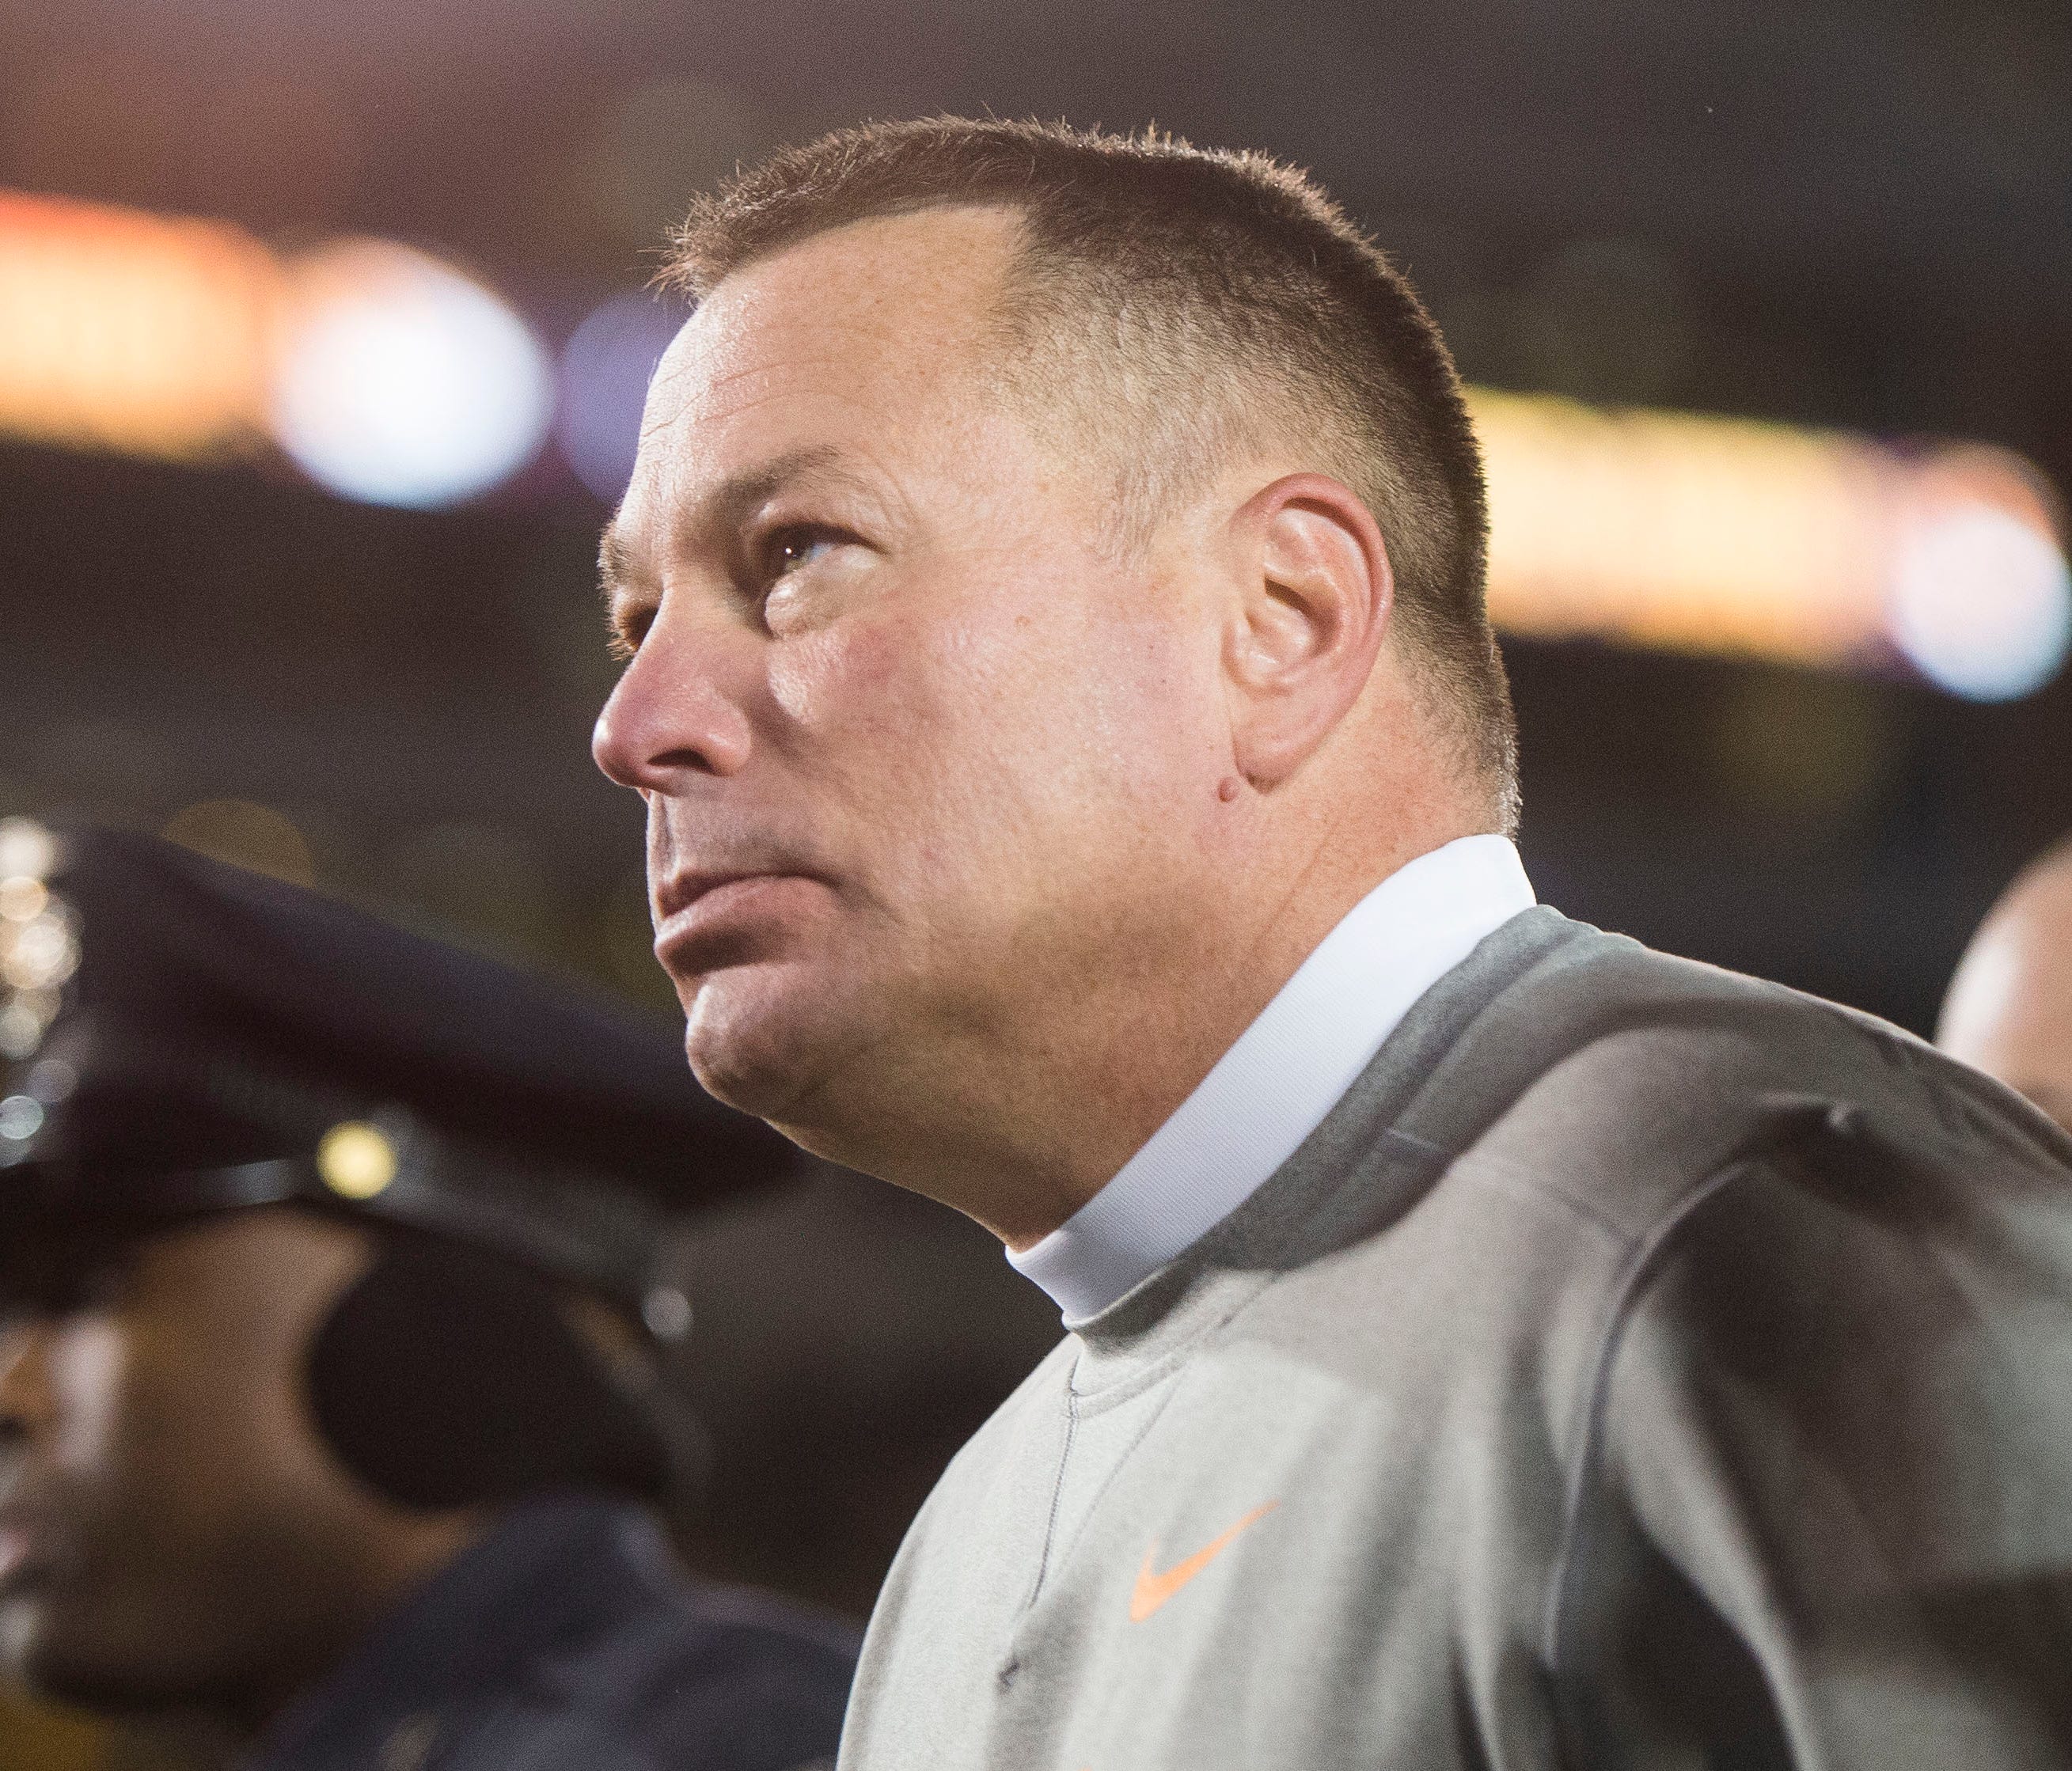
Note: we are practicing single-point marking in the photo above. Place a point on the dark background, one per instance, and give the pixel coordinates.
(1851, 212)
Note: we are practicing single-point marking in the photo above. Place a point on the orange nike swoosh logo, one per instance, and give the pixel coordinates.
(1152, 1590)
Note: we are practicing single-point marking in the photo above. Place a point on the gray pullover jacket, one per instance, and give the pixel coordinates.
(1640, 1367)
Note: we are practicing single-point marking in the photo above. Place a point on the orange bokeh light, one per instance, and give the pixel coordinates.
(129, 331)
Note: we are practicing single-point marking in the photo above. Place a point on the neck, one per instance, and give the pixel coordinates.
(1038, 1110)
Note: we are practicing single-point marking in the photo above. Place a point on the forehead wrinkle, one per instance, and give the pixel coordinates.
(728, 369)
(660, 424)
(778, 363)
(867, 320)
(701, 395)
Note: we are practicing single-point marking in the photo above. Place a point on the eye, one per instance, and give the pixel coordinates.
(798, 544)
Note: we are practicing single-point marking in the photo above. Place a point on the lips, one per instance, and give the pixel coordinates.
(686, 887)
(707, 918)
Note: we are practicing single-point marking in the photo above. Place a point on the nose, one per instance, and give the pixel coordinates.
(678, 711)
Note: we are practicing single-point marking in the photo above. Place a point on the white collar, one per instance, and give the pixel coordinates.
(1273, 1088)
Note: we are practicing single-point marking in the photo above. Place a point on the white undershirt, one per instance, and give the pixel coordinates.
(1273, 1088)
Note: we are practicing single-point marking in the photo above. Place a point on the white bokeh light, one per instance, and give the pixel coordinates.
(1980, 601)
(398, 380)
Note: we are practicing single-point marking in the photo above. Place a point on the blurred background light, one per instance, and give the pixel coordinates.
(1979, 597)
(391, 377)
(400, 381)
(605, 370)
(130, 332)
(1762, 541)
(38, 942)
(244, 834)
(27, 851)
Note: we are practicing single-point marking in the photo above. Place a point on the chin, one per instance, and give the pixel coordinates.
(53, 1666)
(759, 1037)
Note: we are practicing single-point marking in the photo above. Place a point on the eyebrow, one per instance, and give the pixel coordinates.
(614, 561)
(725, 507)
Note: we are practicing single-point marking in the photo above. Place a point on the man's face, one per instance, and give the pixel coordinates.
(2009, 1011)
(920, 749)
(171, 1530)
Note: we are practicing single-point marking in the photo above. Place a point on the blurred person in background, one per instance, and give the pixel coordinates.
(1080, 777)
(2010, 1009)
(331, 1402)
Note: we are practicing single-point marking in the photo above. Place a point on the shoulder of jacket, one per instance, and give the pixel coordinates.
(1639, 1076)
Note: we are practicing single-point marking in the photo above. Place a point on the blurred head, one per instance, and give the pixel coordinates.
(2010, 1009)
(173, 1529)
(232, 1443)
(321, 1243)
(1051, 578)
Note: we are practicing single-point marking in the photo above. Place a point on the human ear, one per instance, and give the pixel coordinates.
(1315, 591)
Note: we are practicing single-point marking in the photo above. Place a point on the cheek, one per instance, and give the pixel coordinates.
(964, 727)
(887, 730)
(988, 666)
(848, 684)
(156, 1417)
(93, 1374)
(1102, 716)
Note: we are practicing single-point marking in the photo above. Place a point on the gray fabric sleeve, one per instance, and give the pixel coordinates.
(1822, 1516)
